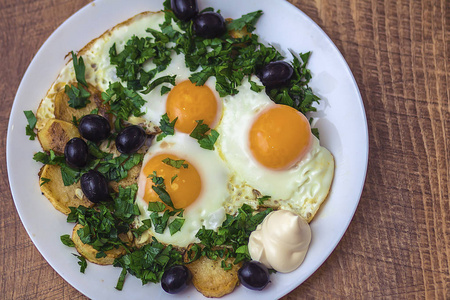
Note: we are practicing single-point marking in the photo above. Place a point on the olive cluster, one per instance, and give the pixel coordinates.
(207, 24)
(96, 128)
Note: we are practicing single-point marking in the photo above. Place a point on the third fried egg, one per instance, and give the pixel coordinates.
(270, 151)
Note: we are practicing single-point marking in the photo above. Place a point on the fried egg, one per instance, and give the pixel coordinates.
(270, 151)
(200, 188)
(100, 73)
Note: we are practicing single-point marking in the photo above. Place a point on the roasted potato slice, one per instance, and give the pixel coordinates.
(210, 279)
(62, 197)
(88, 252)
(55, 134)
(64, 112)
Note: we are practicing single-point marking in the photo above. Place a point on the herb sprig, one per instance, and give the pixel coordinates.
(31, 119)
(78, 95)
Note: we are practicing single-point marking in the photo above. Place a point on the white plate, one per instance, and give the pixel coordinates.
(340, 119)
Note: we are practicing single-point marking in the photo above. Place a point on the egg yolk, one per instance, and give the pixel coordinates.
(183, 184)
(279, 137)
(190, 103)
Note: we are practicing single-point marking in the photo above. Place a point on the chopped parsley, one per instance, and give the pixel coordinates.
(124, 102)
(163, 195)
(166, 126)
(81, 262)
(176, 163)
(129, 63)
(159, 81)
(157, 180)
(78, 96)
(44, 181)
(263, 199)
(116, 169)
(80, 69)
(31, 119)
(248, 21)
(156, 206)
(148, 263)
(205, 140)
(161, 221)
(103, 224)
(231, 239)
(66, 240)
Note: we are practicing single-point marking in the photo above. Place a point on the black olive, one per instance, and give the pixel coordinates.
(276, 74)
(184, 9)
(94, 128)
(76, 153)
(253, 275)
(209, 25)
(95, 186)
(175, 279)
(130, 139)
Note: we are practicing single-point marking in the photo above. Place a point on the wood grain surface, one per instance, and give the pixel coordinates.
(398, 244)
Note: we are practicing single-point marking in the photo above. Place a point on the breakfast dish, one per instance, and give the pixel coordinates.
(213, 157)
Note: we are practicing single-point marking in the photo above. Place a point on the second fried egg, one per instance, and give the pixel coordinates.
(199, 186)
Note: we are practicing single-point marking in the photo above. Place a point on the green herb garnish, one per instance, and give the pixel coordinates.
(248, 21)
(66, 240)
(31, 119)
(175, 163)
(44, 181)
(78, 96)
(166, 127)
(81, 262)
(163, 195)
(124, 102)
(231, 239)
(148, 263)
(156, 206)
(263, 199)
(80, 69)
(158, 81)
(205, 140)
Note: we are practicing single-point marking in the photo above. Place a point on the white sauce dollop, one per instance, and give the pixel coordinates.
(281, 241)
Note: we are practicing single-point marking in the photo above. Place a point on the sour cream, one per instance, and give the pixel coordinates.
(281, 241)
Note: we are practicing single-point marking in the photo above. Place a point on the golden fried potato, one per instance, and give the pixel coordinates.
(239, 33)
(64, 112)
(210, 279)
(62, 197)
(88, 252)
(55, 134)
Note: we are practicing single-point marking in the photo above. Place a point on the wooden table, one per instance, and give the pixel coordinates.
(398, 244)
